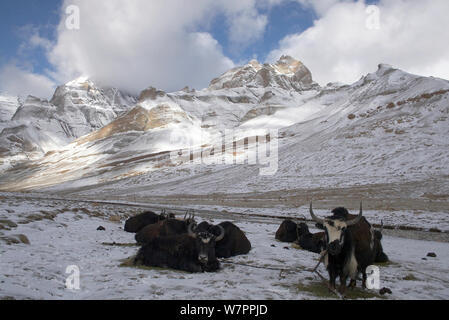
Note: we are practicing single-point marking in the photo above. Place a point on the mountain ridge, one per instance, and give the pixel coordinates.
(395, 112)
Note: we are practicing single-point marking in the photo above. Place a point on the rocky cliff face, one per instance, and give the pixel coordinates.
(287, 74)
(38, 126)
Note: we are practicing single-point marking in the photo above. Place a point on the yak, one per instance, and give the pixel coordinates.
(164, 228)
(349, 247)
(192, 252)
(234, 242)
(287, 232)
(309, 241)
(380, 256)
(137, 223)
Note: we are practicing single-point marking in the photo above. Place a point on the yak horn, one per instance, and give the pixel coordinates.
(222, 234)
(314, 217)
(359, 217)
(190, 230)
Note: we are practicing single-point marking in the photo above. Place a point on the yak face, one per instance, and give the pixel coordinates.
(336, 229)
(303, 229)
(205, 243)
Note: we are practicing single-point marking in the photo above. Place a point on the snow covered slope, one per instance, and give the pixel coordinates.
(63, 233)
(389, 126)
(8, 106)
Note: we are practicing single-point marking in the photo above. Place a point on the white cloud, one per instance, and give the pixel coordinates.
(139, 43)
(247, 27)
(340, 47)
(246, 24)
(135, 44)
(17, 81)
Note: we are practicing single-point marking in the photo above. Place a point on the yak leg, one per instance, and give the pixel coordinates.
(352, 284)
(365, 277)
(191, 266)
(343, 279)
(332, 279)
(212, 266)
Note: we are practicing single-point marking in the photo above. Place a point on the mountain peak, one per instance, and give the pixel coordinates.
(151, 93)
(384, 68)
(255, 64)
(80, 82)
(287, 73)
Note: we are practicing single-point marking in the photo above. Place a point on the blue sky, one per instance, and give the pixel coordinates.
(18, 16)
(285, 19)
(168, 45)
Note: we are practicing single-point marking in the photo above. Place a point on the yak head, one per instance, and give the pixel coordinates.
(164, 215)
(205, 242)
(335, 229)
(302, 229)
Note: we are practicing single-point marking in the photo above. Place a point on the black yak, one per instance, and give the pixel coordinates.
(191, 252)
(234, 242)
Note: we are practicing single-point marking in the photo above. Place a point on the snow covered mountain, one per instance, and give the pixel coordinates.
(388, 126)
(8, 106)
(36, 126)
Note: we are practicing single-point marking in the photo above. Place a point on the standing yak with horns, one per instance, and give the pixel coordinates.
(349, 247)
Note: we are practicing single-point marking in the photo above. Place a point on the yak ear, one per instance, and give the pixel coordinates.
(319, 226)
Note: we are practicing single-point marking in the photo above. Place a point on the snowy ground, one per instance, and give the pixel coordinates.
(63, 233)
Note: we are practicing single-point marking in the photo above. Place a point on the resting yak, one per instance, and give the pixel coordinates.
(137, 223)
(165, 228)
(191, 252)
(313, 242)
(287, 232)
(234, 242)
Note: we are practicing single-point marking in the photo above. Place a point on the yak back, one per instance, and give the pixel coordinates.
(137, 223)
(363, 240)
(169, 227)
(374, 255)
(234, 243)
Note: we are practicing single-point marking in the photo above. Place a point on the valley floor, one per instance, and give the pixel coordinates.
(62, 233)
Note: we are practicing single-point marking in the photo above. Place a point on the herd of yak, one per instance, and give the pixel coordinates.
(348, 244)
